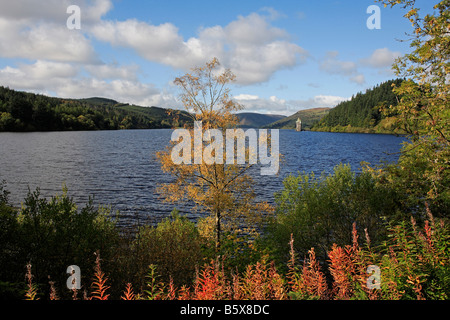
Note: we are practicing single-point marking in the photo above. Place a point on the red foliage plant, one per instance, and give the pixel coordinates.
(413, 265)
(99, 283)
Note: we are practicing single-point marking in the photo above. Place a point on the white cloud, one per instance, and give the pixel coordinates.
(37, 30)
(381, 58)
(112, 71)
(69, 81)
(120, 90)
(332, 65)
(30, 10)
(246, 97)
(327, 101)
(44, 41)
(272, 13)
(253, 29)
(275, 105)
(277, 100)
(250, 46)
(49, 70)
(358, 78)
(37, 76)
(64, 62)
(155, 43)
(52, 11)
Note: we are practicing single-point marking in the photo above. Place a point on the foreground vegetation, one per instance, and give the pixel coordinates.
(176, 259)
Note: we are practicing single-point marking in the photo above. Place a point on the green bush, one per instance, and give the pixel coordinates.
(9, 249)
(416, 263)
(174, 246)
(52, 235)
(320, 211)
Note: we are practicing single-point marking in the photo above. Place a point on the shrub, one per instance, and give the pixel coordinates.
(10, 254)
(320, 211)
(310, 282)
(417, 263)
(174, 246)
(414, 264)
(53, 234)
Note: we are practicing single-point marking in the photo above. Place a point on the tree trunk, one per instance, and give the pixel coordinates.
(218, 229)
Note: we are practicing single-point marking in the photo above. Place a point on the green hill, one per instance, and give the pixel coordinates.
(23, 111)
(308, 117)
(167, 117)
(256, 120)
(362, 112)
(97, 101)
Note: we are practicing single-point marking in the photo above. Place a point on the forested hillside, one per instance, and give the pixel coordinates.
(256, 120)
(22, 111)
(362, 112)
(308, 117)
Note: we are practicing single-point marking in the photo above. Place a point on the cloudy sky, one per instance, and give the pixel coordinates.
(287, 55)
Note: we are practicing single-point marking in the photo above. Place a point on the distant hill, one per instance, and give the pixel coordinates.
(256, 120)
(23, 111)
(98, 101)
(169, 116)
(308, 117)
(362, 112)
(155, 113)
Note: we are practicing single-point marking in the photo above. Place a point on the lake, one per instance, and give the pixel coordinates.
(119, 168)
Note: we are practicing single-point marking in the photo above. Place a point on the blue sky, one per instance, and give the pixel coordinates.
(287, 55)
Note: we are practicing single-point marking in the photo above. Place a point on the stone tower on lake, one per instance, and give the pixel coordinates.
(298, 125)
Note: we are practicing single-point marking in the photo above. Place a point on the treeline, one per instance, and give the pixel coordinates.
(22, 111)
(362, 112)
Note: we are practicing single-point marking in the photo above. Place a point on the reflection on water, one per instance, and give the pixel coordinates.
(119, 168)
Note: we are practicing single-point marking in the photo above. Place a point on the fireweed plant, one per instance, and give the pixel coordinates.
(414, 264)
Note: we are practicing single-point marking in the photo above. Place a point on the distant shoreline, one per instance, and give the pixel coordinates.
(244, 128)
(363, 131)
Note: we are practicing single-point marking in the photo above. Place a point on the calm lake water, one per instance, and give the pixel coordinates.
(119, 168)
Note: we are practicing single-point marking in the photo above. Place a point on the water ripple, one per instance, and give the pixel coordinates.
(119, 168)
